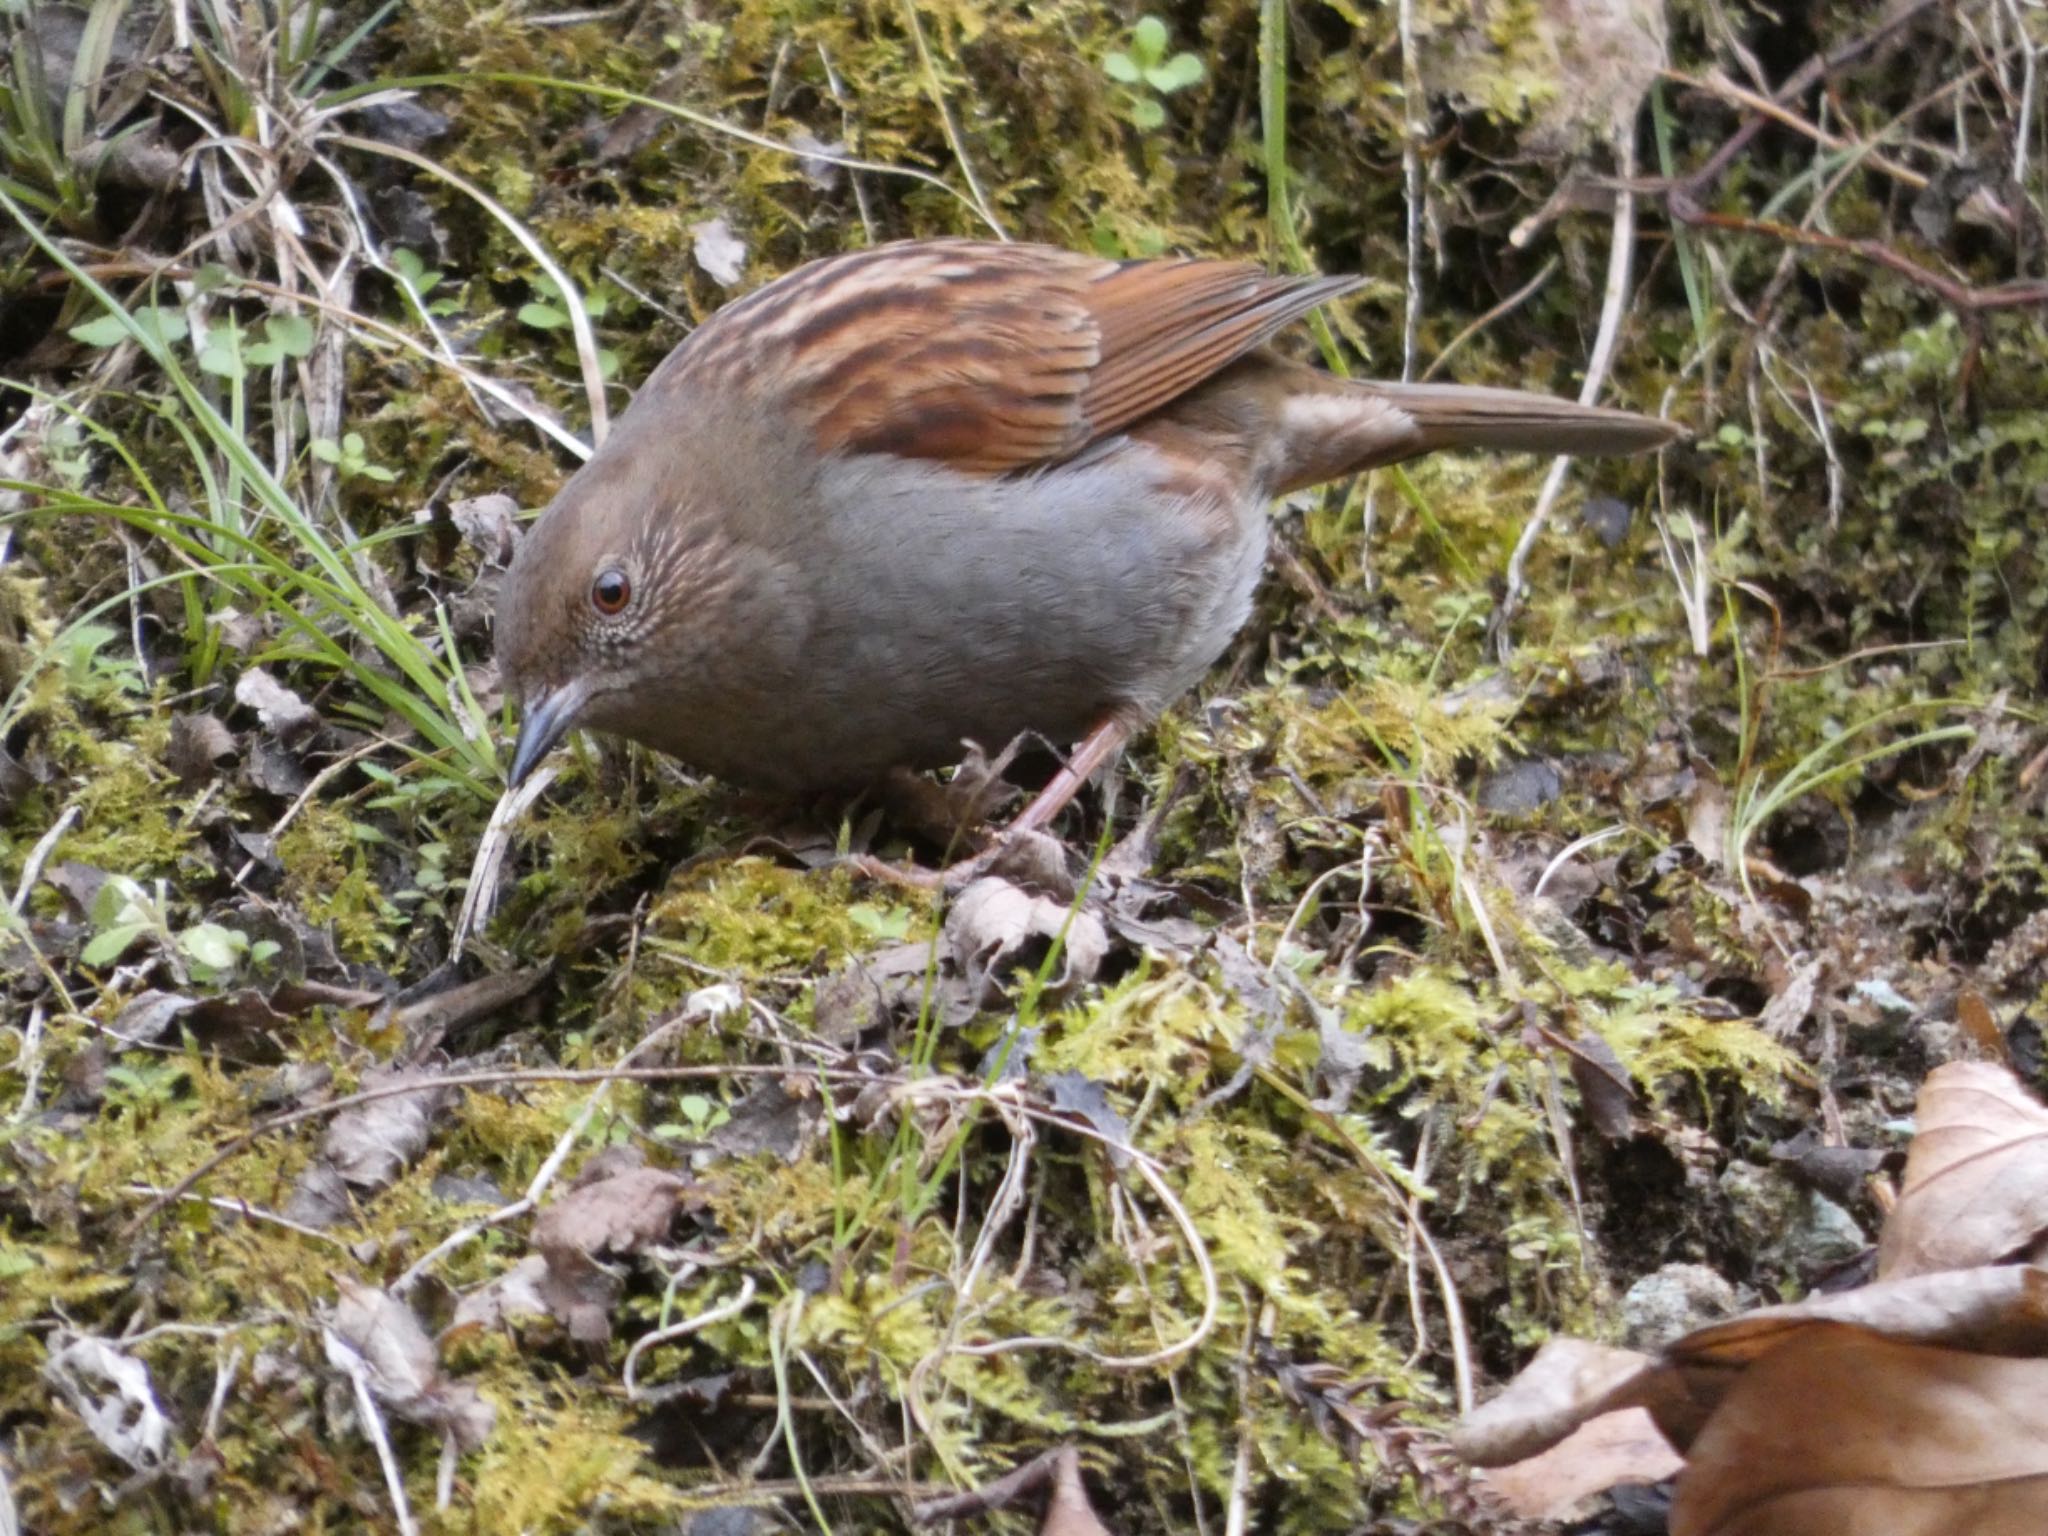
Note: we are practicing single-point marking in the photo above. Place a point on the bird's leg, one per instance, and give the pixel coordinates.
(1098, 749)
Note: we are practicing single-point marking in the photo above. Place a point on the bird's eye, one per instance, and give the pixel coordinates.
(610, 593)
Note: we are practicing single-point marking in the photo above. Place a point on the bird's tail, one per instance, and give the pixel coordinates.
(1336, 427)
(1513, 421)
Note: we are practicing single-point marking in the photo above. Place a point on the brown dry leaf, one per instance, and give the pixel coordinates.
(404, 1371)
(1553, 1395)
(1974, 1014)
(565, 1285)
(1615, 1448)
(1976, 1184)
(1788, 1009)
(200, 747)
(997, 929)
(1605, 1088)
(1067, 1511)
(371, 1144)
(620, 1213)
(1997, 1310)
(1840, 1432)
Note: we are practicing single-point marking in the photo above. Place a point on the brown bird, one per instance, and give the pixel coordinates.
(948, 491)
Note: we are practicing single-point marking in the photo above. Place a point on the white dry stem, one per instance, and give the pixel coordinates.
(565, 287)
(481, 898)
(1689, 574)
(1572, 850)
(723, 1312)
(1614, 304)
(345, 1358)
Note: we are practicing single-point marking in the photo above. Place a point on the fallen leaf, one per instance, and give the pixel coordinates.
(1788, 1009)
(1976, 1182)
(619, 1214)
(1622, 1447)
(997, 929)
(719, 251)
(374, 1332)
(1547, 1401)
(200, 747)
(1838, 1431)
(282, 711)
(371, 1144)
(1067, 1511)
(112, 1394)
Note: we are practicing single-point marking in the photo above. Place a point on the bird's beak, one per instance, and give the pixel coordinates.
(545, 719)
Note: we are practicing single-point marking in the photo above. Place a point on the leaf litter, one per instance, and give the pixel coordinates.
(1430, 994)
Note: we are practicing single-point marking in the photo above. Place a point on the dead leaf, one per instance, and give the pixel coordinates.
(1068, 1512)
(719, 251)
(1976, 1182)
(111, 1393)
(200, 747)
(371, 1144)
(1837, 1172)
(573, 1289)
(1980, 1023)
(1995, 1309)
(1786, 1011)
(282, 712)
(1838, 1430)
(1706, 818)
(1550, 1398)
(490, 523)
(424, 1021)
(997, 929)
(374, 1332)
(1605, 1088)
(1614, 1448)
(621, 1213)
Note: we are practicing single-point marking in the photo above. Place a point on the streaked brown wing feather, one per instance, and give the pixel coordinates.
(991, 358)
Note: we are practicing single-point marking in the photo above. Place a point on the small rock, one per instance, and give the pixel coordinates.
(1520, 787)
(1672, 1302)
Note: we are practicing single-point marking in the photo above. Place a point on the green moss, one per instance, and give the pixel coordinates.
(756, 918)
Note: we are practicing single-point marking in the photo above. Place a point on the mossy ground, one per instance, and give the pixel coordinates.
(1362, 1097)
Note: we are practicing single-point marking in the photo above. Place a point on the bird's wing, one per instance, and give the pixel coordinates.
(990, 358)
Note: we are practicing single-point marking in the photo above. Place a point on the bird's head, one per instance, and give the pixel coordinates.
(605, 598)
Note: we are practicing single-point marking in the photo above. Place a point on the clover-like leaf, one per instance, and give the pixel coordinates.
(222, 355)
(542, 317)
(212, 946)
(290, 334)
(1148, 40)
(107, 947)
(1176, 74)
(1120, 67)
(1147, 114)
(102, 332)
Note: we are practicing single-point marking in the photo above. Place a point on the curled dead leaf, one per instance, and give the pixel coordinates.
(1976, 1182)
(997, 929)
(374, 1333)
(1841, 1430)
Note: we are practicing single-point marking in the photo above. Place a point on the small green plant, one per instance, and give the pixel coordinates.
(420, 281)
(548, 313)
(351, 458)
(1146, 73)
(125, 912)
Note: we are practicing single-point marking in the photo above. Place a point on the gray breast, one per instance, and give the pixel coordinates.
(948, 606)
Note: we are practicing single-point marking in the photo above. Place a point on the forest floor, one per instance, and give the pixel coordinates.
(1482, 955)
